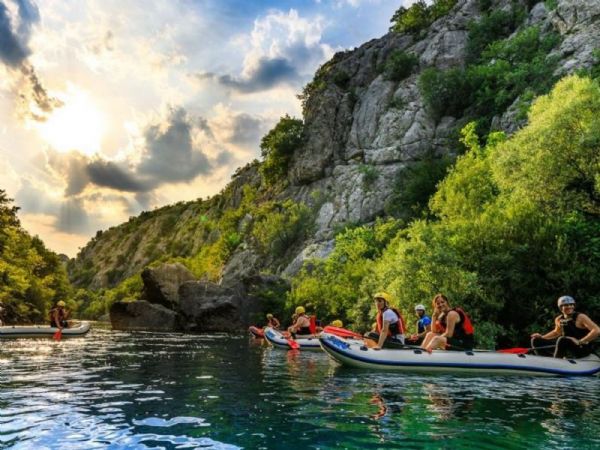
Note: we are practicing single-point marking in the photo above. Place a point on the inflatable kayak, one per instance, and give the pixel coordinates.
(40, 331)
(355, 354)
(278, 339)
(256, 331)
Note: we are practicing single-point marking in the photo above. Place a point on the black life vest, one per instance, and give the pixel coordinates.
(394, 328)
(303, 330)
(464, 329)
(568, 327)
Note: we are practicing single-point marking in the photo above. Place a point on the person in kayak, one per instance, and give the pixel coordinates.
(59, 315)
(390, 325)
(273, 322)
(573, 333)
(452, 329)
(337, 323)
(423, 326)
(301, 325)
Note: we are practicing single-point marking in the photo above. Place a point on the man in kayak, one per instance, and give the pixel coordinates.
(452, 329)
(59, 316)
(573, 333)
(390, 325)
(423, 326)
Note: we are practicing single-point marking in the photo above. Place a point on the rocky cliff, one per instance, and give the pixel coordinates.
(364, 128)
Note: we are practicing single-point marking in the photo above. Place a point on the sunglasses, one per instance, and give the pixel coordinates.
(570, 305)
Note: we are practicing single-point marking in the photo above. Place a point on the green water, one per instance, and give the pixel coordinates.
(121, 390)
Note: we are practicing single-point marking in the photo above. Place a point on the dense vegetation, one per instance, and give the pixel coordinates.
(516, 223)
(419, 15)
(32, 278)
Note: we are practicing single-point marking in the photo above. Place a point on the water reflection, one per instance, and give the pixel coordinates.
(143, 390)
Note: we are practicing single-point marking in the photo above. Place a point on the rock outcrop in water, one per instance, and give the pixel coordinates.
(358, 122)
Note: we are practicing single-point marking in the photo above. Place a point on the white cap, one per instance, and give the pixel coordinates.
(419, 308)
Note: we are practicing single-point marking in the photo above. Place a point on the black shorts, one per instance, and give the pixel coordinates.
(460, 343)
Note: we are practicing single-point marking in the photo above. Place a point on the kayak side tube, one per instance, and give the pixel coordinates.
(354, 354)
(275, 338)
(40, 331)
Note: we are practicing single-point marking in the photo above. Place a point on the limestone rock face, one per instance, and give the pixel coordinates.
(161, 284)
(142, 315)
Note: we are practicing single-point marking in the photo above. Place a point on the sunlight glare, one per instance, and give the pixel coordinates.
(78, 125)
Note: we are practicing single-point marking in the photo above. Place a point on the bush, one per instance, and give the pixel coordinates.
(399, 65)
(419, 15)
(445, 92)
(495, 26)
(277, 147)
(369, 174)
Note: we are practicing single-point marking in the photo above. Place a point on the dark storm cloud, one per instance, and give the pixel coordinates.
(108, 174)
(267, 74)
(170, 155)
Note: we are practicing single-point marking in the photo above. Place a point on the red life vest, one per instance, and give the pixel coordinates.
(395, 328)
(313, 324)
(466, 327)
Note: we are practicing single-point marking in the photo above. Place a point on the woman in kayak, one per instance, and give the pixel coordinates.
(573, 333)
(273, 322)
(59, 316)
(389, 331)
(301, 325)
(451, 330)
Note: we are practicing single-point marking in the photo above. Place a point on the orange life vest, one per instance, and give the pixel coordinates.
(395, 328)
(466, 326)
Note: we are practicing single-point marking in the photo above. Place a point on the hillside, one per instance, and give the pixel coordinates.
(381, 125)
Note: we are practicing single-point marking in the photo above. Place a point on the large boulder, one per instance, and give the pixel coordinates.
(142, 315)
(161, 284)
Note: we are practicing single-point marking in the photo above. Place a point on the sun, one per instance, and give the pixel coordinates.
(78, 125)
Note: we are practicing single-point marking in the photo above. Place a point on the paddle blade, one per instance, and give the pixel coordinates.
(58, 335)
(341, 332)
(516, 350)
(293, 344)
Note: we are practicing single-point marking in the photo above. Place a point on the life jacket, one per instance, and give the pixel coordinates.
(422, 324)
(465, 327)
(394, 328)
(313, 324)
(568, 328)
(61, 316)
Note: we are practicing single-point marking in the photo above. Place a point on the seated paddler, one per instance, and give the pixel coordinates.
(301, 325)
(573, 335)
(452, 328)
(389, 331)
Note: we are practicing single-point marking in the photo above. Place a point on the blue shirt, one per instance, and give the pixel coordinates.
(422, 323)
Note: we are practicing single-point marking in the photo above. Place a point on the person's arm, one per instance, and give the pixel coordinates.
(276, 323)
(55, 320)
(383, 334)
(550, 334)
(427, 328)
(588, 323)
(451, 320)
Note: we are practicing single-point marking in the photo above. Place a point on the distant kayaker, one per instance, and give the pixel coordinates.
(452, 329)
(573, 333)
(272, 321)
(337, 323)
(301, 325)
(59, 316)
(389, 332)
(423, 326)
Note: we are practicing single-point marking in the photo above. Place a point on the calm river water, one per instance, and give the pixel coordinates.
(121, 390)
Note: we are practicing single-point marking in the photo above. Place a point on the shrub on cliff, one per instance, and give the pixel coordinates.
(277, 147)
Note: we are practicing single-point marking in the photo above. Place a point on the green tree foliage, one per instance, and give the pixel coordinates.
(334, 286)
(399, 65)
(516, 224)
(419, 15)
(277, 147)
(32, 278)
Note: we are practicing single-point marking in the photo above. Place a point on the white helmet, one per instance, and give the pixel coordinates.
(566, 300)
(419, 308)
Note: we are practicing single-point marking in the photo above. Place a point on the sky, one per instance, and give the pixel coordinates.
(109, 108)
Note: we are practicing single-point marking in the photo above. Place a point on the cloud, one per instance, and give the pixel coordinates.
(34, 101)
(72, 217)
(284, 49)
(170, 154)
(111, 175)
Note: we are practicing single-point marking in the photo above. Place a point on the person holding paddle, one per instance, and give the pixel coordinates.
(301, 325)
(59, 315)
(573, 333)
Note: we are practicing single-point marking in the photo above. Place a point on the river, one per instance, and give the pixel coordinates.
(121, 390)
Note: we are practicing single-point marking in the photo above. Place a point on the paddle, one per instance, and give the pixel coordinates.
(293, 344)
(58, 335)
(342, 332)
